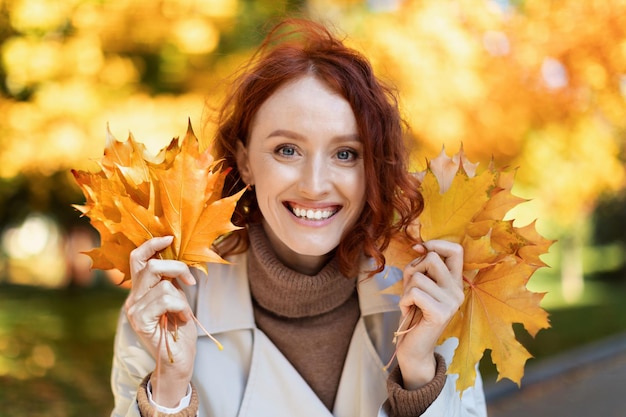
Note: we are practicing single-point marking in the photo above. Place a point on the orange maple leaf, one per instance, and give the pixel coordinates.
(468, 208)
(495, 298)
(135, 196)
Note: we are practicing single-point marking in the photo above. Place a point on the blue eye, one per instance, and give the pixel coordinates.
(346, 155)
(286, 150)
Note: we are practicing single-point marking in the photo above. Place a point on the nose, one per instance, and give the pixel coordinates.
(315, 177)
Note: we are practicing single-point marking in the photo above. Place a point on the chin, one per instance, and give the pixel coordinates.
(314, 249)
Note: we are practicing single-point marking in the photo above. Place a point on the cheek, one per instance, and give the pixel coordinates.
(357, 187)
(270, 183)
(272, 179)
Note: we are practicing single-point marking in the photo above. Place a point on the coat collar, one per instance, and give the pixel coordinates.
(225, 289)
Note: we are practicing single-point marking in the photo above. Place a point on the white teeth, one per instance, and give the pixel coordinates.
(311, 214)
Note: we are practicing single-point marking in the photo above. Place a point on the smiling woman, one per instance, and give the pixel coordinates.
(317, 142)
(309, 178)
(309, 51)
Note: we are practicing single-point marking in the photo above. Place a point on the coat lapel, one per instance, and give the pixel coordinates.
(363, 385)
(363, 382)
(226, 291)
(273, 386)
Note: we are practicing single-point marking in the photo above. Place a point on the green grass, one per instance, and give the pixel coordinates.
(56, 350)
(56, 345)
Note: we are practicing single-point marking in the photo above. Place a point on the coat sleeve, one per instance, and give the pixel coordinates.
(131, 363)
(450, 403)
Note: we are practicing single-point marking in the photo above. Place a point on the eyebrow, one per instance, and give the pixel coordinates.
(293, 135)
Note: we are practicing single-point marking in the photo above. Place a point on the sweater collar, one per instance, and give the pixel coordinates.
(288, 293)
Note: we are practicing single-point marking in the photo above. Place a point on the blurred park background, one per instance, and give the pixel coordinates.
(534, 84)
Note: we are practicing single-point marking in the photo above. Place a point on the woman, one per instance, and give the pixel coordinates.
(318, 141)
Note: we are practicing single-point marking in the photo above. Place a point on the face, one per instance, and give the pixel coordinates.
(304, 158)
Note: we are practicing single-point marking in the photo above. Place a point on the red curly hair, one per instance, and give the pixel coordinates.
(295, 48)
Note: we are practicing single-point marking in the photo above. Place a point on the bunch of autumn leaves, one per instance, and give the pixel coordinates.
(469, 208)
(135, 197)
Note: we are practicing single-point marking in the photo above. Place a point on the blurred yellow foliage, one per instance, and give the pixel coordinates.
(537, 84)
(71, 67)
(39, 15)
(540, 85)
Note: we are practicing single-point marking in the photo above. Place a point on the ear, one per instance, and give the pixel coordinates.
(243, 165)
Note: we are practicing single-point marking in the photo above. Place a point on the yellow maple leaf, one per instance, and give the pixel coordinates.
(135, 197)
(496, 297)
(467, 207)
(447, 214)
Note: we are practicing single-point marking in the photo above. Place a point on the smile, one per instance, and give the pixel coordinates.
(313, 214)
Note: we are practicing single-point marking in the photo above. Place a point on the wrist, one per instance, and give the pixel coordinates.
(167, 391)
(418, 373)
(187, 407)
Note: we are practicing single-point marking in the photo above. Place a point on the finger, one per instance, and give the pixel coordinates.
(168, 299)
(452, 254)
(140, 255)
(430, 265)
(157, 269)
(163, 299)
(423, 283)
(437, 304)
(414, 296)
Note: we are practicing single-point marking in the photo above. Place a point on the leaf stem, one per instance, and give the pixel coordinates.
(164, 335)
(413, 321)
(219, 345)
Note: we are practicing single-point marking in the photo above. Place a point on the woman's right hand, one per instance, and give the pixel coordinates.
(153, 294)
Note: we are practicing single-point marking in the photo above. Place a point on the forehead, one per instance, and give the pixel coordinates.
(307, 103)
(307, 89)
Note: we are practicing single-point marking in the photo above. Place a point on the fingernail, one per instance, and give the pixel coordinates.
(419, 247)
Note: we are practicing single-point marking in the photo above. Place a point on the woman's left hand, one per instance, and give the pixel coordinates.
(433, 283)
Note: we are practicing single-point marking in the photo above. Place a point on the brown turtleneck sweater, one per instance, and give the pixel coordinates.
(309, 318)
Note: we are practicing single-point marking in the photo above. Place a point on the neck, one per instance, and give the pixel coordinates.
(303, 264)
(290, 293)
(306, 265)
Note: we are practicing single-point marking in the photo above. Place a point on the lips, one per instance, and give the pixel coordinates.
(310, 213)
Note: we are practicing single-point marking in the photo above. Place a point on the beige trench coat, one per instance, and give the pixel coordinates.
(250, 377)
